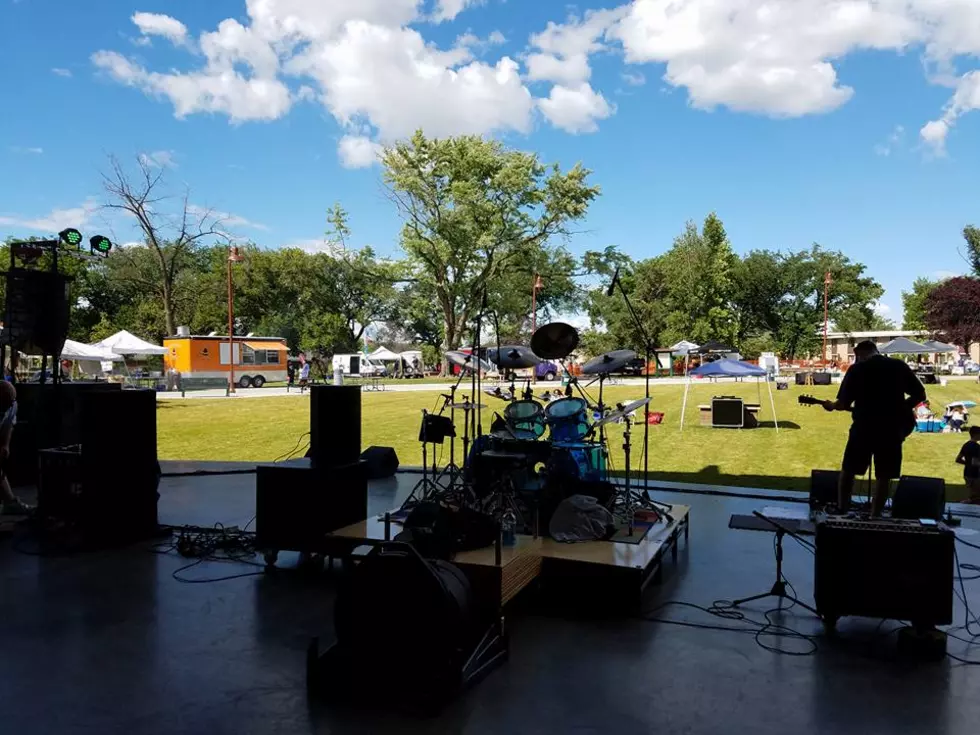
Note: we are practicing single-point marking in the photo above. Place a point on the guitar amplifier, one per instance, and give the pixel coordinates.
(884, 568)
(727, 412)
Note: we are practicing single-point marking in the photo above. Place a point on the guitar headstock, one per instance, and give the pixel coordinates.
(808, 400)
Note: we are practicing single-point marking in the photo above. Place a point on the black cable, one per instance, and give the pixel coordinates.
(291, 452)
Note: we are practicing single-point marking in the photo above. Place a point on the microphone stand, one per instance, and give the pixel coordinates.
(646, 409)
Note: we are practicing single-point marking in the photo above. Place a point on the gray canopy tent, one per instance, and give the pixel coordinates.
(905, 346)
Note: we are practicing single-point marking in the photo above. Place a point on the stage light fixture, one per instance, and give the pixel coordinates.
(71, 236)
(100, 245)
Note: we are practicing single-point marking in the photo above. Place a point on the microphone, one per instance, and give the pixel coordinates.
(612, 283)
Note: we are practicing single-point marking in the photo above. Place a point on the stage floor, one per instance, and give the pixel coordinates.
(110, 643)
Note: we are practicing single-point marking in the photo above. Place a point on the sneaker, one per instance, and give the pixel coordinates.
(16, 507)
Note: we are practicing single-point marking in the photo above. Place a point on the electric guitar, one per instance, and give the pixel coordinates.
(908, 426)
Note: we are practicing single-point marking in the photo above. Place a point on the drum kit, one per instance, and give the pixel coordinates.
(534, 442)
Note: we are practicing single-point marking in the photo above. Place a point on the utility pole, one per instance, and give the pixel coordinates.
(826, 292)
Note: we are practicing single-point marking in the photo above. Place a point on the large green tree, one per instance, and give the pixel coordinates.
(475, 212)
(914, 303)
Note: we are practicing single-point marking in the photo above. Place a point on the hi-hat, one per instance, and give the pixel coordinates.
(622, 411)
(554, 341)
(513, 357)
(609, 362)
(467, 361)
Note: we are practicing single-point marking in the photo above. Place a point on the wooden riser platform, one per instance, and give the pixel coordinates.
(592, 570)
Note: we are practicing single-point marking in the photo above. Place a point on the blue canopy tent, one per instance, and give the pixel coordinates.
(729, 369)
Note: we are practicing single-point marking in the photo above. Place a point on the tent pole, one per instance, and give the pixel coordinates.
(687, 385)
(772, 405)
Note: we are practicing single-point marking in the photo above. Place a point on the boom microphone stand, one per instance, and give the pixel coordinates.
(646, 372)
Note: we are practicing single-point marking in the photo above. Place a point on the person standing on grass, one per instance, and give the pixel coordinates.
(881, 393)
(969, 457)
(11, 504)
(304, 372)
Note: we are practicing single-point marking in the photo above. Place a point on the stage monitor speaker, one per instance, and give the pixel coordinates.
(37, 311)
(919, 497)
(381, 462)
(727, 412)
(335, 425)
(823, 488)
(296, 506)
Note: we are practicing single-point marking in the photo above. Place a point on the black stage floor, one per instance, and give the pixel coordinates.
(109, 643)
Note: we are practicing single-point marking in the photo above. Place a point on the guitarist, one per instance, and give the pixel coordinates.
(881, 393)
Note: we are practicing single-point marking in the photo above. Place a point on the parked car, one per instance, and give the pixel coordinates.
(634, 367)
(547, 371)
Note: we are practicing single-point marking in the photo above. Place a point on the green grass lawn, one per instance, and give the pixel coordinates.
(262, 429)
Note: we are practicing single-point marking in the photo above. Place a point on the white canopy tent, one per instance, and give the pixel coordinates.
(126, 343)
(78, 351)
(385, 355)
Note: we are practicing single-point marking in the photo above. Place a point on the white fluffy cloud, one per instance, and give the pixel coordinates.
(892, 142)
(155, 24)
(158, 159)
(56, 220)
(58, 71)
(36, 151)
(368, 63)
(965, 98)
(575, 109)
(358, 151)
(226, 219)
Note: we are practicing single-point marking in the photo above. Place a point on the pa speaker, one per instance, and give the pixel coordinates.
(823, 488)
(37, 311)
(335, 425)
(380, 461)
(821, 378)
(727, 413)
(919, 497)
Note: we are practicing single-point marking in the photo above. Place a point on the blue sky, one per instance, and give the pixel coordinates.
(841, 122)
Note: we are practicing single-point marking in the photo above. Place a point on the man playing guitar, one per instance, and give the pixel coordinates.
(881, 393)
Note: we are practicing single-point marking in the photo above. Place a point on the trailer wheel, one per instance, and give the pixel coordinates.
(258, 381)
(245, 382)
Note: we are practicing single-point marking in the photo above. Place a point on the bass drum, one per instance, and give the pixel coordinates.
(525, 419)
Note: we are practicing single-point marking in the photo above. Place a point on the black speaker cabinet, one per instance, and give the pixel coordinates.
(380, 461)
(823, 488)
(297, 505)
(821, 378)
(48, 417)
(37, 310)
(335, 425)
(919, 497)
(728, 413)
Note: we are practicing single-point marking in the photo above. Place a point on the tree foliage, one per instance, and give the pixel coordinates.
(914, 303)
(475, 213)
(952, 310)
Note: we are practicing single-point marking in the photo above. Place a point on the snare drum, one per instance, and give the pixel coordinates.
(525, 419)
(568, 419)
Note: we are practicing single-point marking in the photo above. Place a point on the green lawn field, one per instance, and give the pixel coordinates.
(263, 429)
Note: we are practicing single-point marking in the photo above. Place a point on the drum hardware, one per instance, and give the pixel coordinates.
(433, 430)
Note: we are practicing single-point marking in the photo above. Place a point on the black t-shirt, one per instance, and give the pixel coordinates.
(971, 454)
(882, 392)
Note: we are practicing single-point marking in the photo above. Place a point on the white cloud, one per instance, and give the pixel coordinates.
(892, 142)
(158, 159)
(575, 109)
(881, 309)
(372, 69)
(57, 219)
(942, 275)
(965, 99)
(634, 79)
(58, 71)
(155, 24)
(226, 219)
(449, 9)
(315, 245)
(358, 151)
(31, 151)
(563, 50)
(496, 38)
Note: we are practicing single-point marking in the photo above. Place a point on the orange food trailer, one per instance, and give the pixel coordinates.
(258, 360)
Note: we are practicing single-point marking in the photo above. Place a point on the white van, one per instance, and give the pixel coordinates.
(359, 365)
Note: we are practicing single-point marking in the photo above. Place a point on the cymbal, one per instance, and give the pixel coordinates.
(504, 395)
(621, 412)
(554, 341)
(467, 406)
(607, 363)
(633, 405)
(467, 361)
(513, 357)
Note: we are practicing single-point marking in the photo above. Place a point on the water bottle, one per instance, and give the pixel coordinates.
(508, 528)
